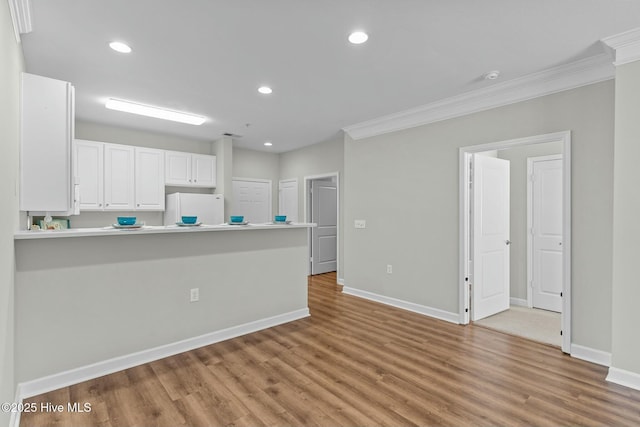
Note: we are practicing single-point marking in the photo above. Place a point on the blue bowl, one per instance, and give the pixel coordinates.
(189, 219)
(126, 220)
(236, 218)
(280, 218)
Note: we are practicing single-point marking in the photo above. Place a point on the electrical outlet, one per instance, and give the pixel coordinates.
(360, 223)
(195, 294)
(389, 268)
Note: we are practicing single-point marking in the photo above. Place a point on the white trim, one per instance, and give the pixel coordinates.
(518, 302)
(463, 215)
(583, 72)
(625, 378)
(340, 281)
(20, 17)
(626, 46)
(530, 164)
(592, 355)
(307, 214)
(405, 305)
(105, 367)
(14, 419)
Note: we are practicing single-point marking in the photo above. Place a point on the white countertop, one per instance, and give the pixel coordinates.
(151, 229)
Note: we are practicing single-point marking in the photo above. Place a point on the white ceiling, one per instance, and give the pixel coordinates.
(210, 56)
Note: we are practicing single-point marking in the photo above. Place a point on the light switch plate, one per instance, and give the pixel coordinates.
(360, 223)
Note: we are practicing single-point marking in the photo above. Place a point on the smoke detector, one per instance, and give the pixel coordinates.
(492, 75)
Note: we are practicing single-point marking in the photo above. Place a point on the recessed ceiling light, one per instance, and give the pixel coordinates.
(358, 37)
(120, 47)
(151, 111)
(265, 90)
(268, 144)
(492, 75)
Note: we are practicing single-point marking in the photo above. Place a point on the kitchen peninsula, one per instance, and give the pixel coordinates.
(94, 301)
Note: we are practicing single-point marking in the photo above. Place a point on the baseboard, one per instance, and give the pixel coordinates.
(598, 357)
(340, 281)
(405, 305)
(519, 302)
(625, 378)
(95, 370)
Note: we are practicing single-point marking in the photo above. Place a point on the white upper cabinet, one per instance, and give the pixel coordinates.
(190, 170)
(203, 170)
(88, 163)
(177, 168)
(47, 117)
(149, 178)
(119, 177)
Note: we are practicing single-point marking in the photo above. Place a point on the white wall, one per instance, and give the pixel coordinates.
(518, 209)
(405, 184)
(318, 159)
(626, 233)
(11, 64)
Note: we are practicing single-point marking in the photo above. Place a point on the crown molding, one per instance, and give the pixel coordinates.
(586, 71)
(626, 46)
(20, 16)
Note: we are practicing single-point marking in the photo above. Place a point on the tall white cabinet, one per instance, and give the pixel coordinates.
(47, 124)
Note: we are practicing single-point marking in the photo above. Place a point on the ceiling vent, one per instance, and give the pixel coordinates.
(233, 135)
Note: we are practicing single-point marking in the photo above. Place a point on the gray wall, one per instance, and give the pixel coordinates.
(258, 165)
(518, 209)
(626, 291)
(11, 64)
(405, 184)
(89, 299)
(318, 159)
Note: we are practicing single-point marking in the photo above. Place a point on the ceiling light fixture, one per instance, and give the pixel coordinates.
(358, 37)
(265, 90)
(120, 47)
(492, 75)
(268, 144)
(151, 111)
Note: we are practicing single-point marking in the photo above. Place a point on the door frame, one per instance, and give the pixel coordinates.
(530, 162)
(307, 213)
(265, 181)
(464, 154)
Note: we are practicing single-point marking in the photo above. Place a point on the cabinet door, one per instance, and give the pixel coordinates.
(45, 145)
(149, 172)
(88, 163)
(203, 170)
(118, 177)
(177, 168)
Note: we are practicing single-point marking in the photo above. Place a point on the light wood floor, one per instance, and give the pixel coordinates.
(355, 363)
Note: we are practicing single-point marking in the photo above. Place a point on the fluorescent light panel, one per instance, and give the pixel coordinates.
(151, 111)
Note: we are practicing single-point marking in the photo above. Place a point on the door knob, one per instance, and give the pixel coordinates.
(507, 242)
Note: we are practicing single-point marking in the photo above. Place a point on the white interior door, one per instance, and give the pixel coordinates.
(252, 199)
(490, 278)
(324, 237)
(546, 232)
(288, 199)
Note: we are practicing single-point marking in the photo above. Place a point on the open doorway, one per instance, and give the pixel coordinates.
(321, 208)
(484, 259)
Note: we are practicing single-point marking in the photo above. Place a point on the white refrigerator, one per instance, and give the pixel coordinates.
(209, 208)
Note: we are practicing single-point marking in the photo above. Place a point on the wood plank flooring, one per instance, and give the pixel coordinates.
(354, 363)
